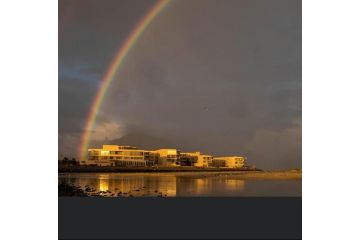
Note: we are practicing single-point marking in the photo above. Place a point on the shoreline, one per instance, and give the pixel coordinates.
(90, 169)
(229, 173)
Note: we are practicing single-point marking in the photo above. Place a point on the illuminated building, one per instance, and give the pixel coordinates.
(151, 158)
(114, 155)
(196, 159)
(218, 163)
(229, 162)
(187, 159)
(168, 157)
(127, 156)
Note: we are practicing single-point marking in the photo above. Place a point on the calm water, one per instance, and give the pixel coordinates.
(179, 184)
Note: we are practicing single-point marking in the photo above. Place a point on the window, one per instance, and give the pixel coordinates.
(105, 152)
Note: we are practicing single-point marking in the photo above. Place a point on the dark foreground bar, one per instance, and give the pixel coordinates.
(180, 218)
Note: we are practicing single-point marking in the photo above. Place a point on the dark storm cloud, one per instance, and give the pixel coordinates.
(90, 31)
(222, 77)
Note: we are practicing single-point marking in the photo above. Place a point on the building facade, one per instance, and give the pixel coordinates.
(114, 155)
(151, 158)
(196, 159)
(229, 162)
(168, 157)
(127, 156)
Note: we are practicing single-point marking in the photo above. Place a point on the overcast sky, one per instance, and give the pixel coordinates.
(218, 76)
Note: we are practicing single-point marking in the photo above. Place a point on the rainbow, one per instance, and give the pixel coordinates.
(109, 75)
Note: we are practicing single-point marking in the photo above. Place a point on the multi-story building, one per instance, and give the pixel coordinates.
(196, 159)
(187, 159)
(218, 163)
(114, 155)
(203, 160)
(127, 156)
(168, 157)
(229, 162)
(151, 158)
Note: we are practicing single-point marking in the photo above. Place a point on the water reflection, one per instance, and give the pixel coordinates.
(209, 186)
(172, 185)
(234, 184)
(104, 182)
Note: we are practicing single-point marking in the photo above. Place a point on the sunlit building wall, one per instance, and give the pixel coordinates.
(100, 163)
(114, 155)
(218, 163)
(229, 162)
(127, 156)
(151, 158)
(203, 160)
(196, 159)
(168, 157)
(187, 159)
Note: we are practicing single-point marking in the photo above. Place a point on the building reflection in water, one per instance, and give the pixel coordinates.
(169, 185)
(135, 184)
(234, 184)
(104, 182)
(161, 184)
(209, 186)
